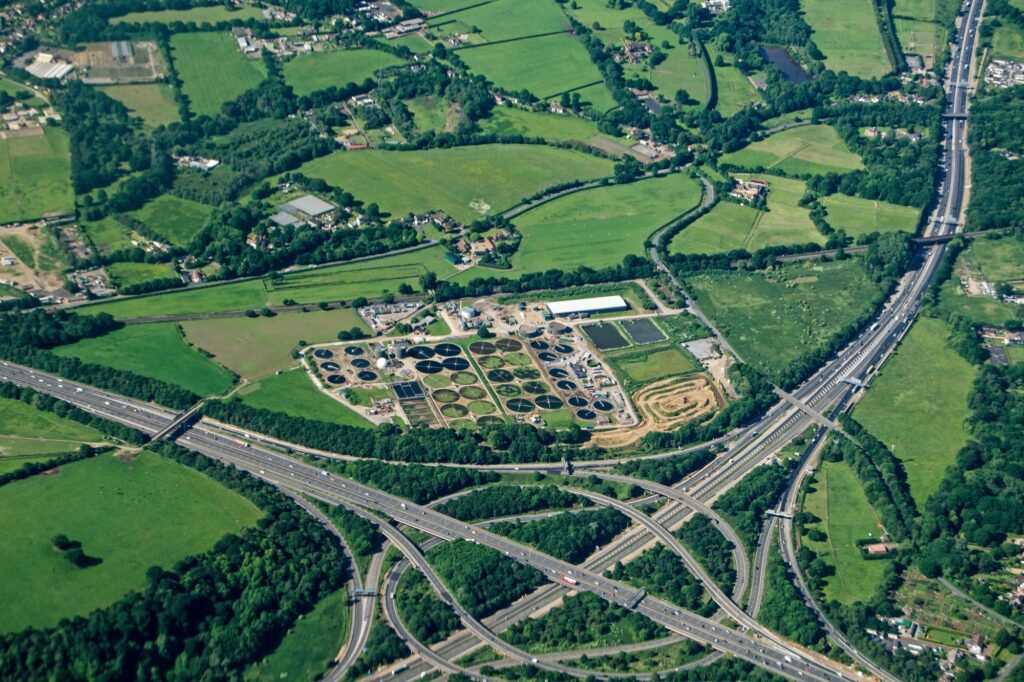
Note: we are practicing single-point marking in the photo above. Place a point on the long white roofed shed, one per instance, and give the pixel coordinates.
(588, 306)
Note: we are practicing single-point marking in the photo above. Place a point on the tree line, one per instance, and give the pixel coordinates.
(415, 482)
(711, 548)
(428, 619)
(746, 502)
(507, 500)
(482, 580)
(668, 470)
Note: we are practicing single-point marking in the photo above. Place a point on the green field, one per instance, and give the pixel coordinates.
(638, 367)
(431, 112)
(546, 66)
(256, 347)
(293, 393)
(858, 216)
(734, 90)
(994, 261)
(107, 235)
(773, 317)
(156, 351)
(35, 176)
(730, 226)
(552, 127)
(1008, 42)
(923, 38)
(846, 516)
(12, 88)
(152, 102)
(213, 70)
(313, 71)
(997, 260)
(502, 20)
(918, 406)
(310, 646)
(835, 23)
(369, 278)
(175, 219)
(124, 274)
(611, 221)
(465, 182)
(25, 431)
(813, 149)
(197, 15)
(130, 514)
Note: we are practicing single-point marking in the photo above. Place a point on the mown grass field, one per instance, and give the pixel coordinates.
(858, 216)
(152, 102)
(546, 66)
(307, 73)
(131, 514)
(847, 32)
(639, 366)
(156, 351)
(177, 220)
(197, 15)
(814, 149)
(734, 90)
(213, 70)
(256, 347)
(370, 278)
(599, 227)
(107, 234)
(293, 393)
(1008, 42)
(998, 260)
(123, 273)
(502, 20)
(25, 430)
(730, 226)
(35, 176)
(310, 646)
(846, 516)
(773, 317)
(918, 406)
(466, 182)
(552, 127)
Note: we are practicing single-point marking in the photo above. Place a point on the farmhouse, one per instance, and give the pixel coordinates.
(750, 190)
(587, 306)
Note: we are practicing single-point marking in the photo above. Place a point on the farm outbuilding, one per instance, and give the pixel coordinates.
(588, 306)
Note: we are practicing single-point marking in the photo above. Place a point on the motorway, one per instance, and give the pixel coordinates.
(748, 447)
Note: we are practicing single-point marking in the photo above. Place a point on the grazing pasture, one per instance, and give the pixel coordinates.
(846, 516)
(858, 216)
(502, 20)
(313, 71)
(835, 23)
(125, 273)
(918, 406)
(153, 350)
(465, 182)
(293, 393)
(175, 219)
(730, 226)
(152, 102)
(213, 70)
(734, 90)
(35, 176)
(774, 317)
(131, 514)
(813, 149)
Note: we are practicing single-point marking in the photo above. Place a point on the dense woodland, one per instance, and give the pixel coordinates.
(481, 579)
(428, 618)
(416, 482)
(746, 502)
(997, 182)
(712, 549)
(569, 536)
(508, 500)
(661, 572)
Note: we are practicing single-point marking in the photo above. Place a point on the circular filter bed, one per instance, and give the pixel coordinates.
(420, 353)
(526, 373)
(335, 379)
(360, 363)
(428, 367)
(454, 411)
(558, 373)
(519, 405)
(589, 415)
(549, 402)
(603, 405)
(353, 350)
(577, 401)
(547, 356)
(456, 364)
(508, 345)
(367, 375)
(518, 359)
(330, 367)
(564, 348)
(484, 421)
(472, 392)
(437, 381)
(566, 385)
(445, 395)
(508, 390)
(482, 407)
(482, 347)
(491, 362)
(535, 387)
(539, 345)
(500, 376)
(464, 378)
(323, 354)
(447, 350)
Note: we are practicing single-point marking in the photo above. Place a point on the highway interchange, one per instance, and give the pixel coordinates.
(831, 389)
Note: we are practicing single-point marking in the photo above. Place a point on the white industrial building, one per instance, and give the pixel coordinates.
(587, 306)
